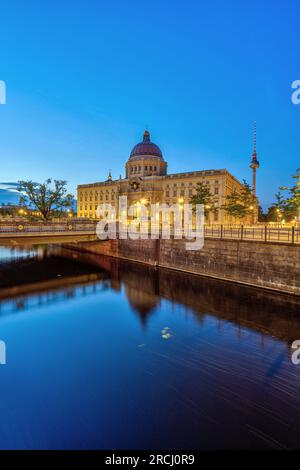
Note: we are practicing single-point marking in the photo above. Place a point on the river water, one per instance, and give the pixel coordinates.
(104, 354)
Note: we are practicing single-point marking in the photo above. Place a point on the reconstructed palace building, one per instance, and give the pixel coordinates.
(148, 182)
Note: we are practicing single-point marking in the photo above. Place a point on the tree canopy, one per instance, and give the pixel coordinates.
(241, 203)
(203, 196)
(292, 202)
(46, 197)
(287, 202)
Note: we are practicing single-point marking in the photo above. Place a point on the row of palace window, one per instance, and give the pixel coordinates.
(168, 198)
(102, 197)
(191, 183)
(190, 192)
(88, 207)
(111, 196)
(181, 192)
(134, 169)
(174, 185)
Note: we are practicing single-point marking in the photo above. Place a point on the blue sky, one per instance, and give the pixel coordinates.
(85, 78)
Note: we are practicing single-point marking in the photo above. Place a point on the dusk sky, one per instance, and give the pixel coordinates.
(84, 79)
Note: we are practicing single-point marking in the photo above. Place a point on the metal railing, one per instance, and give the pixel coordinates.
(255, 233)
(46, 227)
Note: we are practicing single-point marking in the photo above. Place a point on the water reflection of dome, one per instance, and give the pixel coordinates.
(142, 302)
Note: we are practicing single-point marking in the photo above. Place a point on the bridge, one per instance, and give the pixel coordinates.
(51, 232)
(32, 233)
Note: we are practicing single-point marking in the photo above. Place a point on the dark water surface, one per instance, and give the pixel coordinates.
(104, 354)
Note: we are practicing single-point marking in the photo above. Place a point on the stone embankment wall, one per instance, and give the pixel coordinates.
(267, 265)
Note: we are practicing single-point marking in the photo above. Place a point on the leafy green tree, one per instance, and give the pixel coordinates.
(272, 214)
(292, 202)
(241, 203)
(277, 210)
(203, 196)
(48, 199)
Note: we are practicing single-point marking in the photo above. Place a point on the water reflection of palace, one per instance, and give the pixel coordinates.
(145, 287)
(67, 274)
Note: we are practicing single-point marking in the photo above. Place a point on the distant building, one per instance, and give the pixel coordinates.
(148, 182)
(14, 210)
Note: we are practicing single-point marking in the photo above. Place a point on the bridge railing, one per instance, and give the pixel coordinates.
(25, 227)
(254, 233)
(261, 233)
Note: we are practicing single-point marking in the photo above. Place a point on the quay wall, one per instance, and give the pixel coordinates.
(274, 266)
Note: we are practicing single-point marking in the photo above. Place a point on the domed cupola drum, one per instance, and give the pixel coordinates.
(146, 159)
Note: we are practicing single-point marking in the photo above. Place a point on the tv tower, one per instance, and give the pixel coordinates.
(254, 163)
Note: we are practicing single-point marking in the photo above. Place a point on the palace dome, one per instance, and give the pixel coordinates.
(146, 148)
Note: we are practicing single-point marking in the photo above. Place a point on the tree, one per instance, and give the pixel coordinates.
(47, 199)
(241, 203)
(292, 203)
(203, 196)
(272, 214)
(262, 216)
(277, 210)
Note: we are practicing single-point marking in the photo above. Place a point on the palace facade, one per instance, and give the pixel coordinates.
(148, 182)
